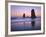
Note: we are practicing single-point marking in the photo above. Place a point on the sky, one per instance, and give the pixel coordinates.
(17, 11)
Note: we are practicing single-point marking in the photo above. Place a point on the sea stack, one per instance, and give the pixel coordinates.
(33, 14)
(24, 15)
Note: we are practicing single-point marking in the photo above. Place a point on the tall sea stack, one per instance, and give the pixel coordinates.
(33, 14)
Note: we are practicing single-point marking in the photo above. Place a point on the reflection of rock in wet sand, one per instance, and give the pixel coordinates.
(33, 14)
(33, 24)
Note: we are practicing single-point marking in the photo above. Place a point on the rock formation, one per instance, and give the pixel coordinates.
(24, 15)
(33, 14)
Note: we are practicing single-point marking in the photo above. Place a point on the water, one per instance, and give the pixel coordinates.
(25, 24)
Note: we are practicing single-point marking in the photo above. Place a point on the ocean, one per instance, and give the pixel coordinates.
(25, 24)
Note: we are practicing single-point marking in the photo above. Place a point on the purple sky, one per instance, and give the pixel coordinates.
(19, 10)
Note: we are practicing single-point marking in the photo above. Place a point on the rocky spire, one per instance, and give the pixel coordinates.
(33, 14)
(24, 15)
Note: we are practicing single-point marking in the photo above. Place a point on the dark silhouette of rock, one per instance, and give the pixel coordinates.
(33, 14)
(24, 15)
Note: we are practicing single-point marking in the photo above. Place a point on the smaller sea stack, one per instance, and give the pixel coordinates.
(24, 15)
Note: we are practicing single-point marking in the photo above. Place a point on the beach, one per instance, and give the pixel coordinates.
(25, 24)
